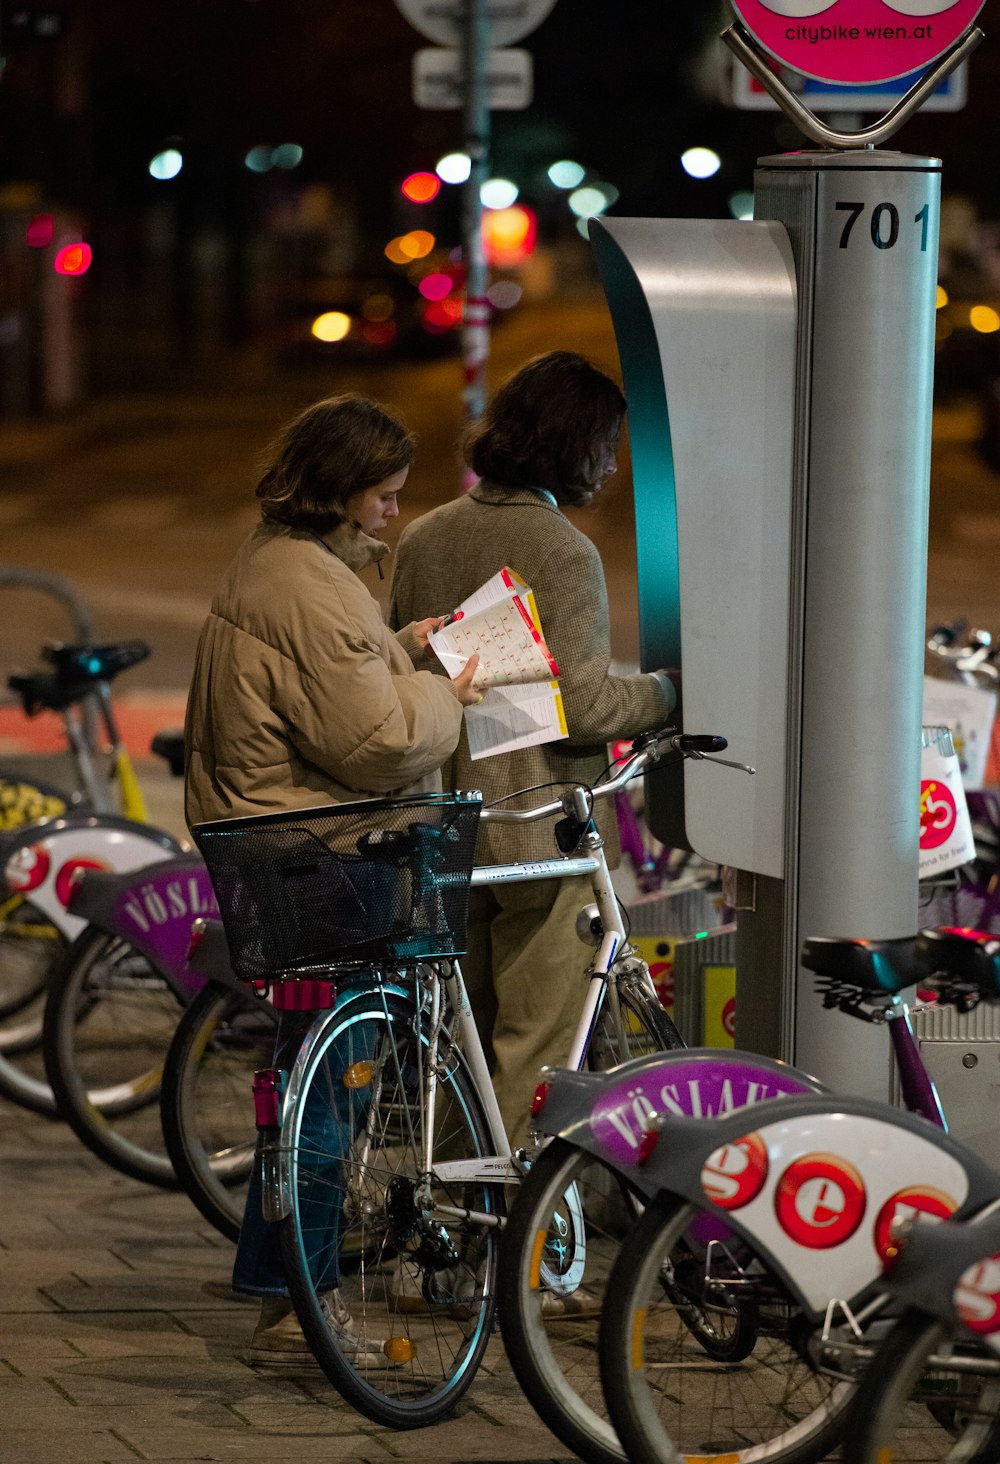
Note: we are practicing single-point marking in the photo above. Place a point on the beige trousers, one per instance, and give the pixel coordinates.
(524, 972)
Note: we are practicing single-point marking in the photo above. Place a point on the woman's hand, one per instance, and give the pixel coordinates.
(422, 629)
(462, 684)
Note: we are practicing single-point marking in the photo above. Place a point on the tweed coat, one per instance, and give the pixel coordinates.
(443, 557)
(301, 695)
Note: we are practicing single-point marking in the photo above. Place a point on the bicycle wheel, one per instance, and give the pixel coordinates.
(551, 1290)
(109, 1020)
(910, 1408)
(30, 947)
(206, 1102)
(665, 1394)
(413, 1267)
(566, 1225)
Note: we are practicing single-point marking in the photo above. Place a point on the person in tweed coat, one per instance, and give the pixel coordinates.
(547, 440)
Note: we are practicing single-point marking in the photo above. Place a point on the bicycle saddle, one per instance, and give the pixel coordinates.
(170, 746)
(882, 966)
(972, 956)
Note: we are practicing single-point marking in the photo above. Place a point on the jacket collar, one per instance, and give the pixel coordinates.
(498, 496)
(353, 547)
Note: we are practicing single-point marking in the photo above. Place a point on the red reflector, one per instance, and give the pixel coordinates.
(648, 1142)
(197, 936)
(268, 1091)
(538, 1102)
(304, 996)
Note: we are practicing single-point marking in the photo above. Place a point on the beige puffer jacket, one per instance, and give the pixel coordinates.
(301, 695)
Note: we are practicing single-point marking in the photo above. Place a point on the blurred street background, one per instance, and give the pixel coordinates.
(229, 184)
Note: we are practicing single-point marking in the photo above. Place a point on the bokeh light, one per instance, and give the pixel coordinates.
(588, 201)
(442, 315)
(73, 259)
(332, 325)
(259, 159)
(566, 174)
(454, 167)
(700, 162)
(39, 231)
(287, 155)
(421, 187)
(942, 297)
(741, 204)
(504, 294)
(498, 193)
(417, 244)
(435, 286)
(509, 235)
(984, 319)
(166, 165)
(379, 333)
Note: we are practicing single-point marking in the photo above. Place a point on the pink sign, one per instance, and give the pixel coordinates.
(857, 42)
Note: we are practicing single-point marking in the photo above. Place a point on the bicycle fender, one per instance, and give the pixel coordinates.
(608, 1114)
(952, 1271)
(153, 909)
(817, 1184)
(40, 860)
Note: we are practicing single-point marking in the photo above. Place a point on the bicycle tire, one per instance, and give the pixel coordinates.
(897, 1411)
(667, 1397)
(552, 1343)
(109, 1020)
(423, 1301)
(30, 948)
(206, 1104)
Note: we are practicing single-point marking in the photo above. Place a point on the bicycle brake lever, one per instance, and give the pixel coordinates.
(723, 762)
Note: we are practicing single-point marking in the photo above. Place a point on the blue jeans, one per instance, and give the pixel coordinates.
(332, 1115)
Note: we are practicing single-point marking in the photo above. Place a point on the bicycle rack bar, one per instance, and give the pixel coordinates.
(746, 49)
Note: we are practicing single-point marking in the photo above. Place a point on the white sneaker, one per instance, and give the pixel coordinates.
(278, 1340)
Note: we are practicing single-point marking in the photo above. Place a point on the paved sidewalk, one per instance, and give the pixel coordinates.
(116, 1342)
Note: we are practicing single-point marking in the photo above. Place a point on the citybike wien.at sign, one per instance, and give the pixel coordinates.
(857, 42)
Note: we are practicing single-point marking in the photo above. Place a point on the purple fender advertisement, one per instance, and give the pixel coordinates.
(696, 1084)
(156, 913)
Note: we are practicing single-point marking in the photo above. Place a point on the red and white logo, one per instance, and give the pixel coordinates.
(735, 1174)
(729, 1017)
(28, 868)
(938, 814)
(662, 973)
(65, 877)
(977, 1296)
(820, 1201)
(918, 1203)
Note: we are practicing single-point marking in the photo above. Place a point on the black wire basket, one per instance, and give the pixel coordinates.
(344, 885)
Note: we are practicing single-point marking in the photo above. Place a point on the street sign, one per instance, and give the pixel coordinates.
(439, 79)
(749, 95)
(443, 21)
(857, 42)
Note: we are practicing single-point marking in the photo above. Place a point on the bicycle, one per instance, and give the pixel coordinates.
(742, 1221)
(37, 865)
(932, 1391)
(385, 1158)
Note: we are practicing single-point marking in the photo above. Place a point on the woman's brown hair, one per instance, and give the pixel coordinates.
(551, 425)
(335, 448)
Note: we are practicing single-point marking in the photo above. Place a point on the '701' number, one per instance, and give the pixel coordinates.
(883, 225)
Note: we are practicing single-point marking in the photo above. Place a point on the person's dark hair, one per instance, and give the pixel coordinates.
(332, 450)
(550, 425)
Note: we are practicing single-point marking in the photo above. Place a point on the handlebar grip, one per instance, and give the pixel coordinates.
(700, 742)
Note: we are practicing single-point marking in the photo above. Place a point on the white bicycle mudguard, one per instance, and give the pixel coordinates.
(39, 860)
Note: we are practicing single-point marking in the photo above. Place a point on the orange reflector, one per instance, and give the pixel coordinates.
(534, 1275)
(711, 1458)
(358, 1075)
(638, 1322)
(399, 1349)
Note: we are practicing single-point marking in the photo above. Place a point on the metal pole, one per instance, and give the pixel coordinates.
(476, 319)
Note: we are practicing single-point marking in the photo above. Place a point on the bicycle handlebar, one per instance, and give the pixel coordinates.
(974, 657)
(647, 749)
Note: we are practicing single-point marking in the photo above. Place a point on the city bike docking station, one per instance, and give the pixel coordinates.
(779, 372)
